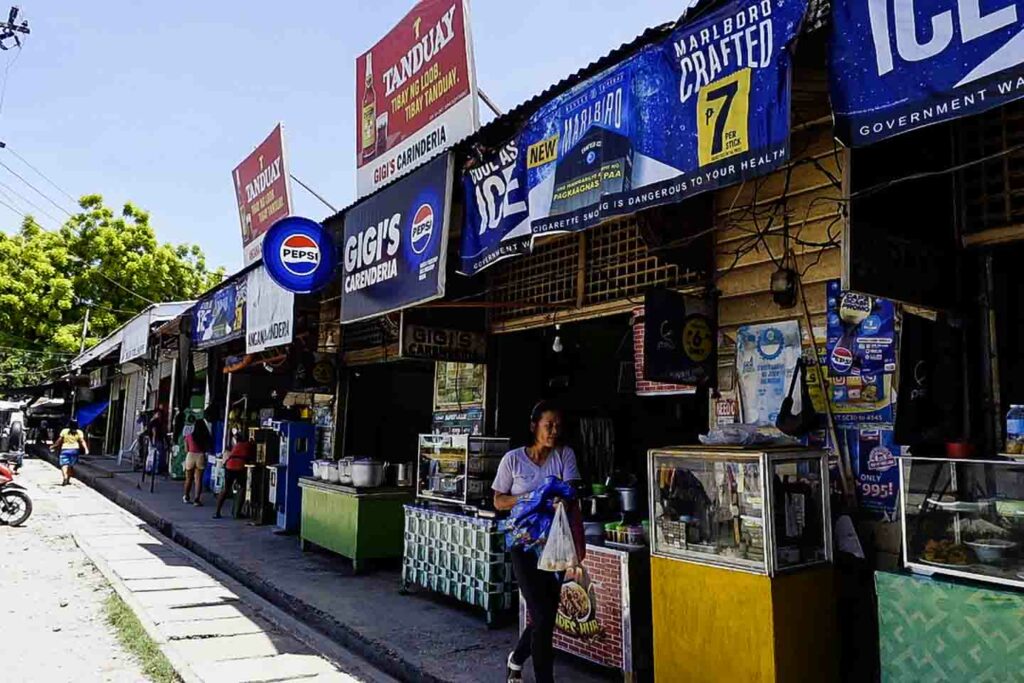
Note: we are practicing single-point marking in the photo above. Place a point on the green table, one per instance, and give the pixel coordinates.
(938, 630)
(360, 524)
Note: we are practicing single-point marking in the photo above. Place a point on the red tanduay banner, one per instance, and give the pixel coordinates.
(262, 189)
(415, 92)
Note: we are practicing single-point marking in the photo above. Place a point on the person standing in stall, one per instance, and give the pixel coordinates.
(521, 472)
(197, 444)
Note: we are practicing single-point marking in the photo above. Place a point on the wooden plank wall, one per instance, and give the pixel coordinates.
(751, 221)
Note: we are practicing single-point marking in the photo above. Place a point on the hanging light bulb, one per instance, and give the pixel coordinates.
(556, 346)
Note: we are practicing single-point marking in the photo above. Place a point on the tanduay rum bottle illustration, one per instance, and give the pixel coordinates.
(369, 118)
(601, 163)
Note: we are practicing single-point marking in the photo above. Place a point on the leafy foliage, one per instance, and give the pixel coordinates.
(109, 263)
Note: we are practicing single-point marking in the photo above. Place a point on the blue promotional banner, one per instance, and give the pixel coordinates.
(395, 243)
(873, 454)
(898, 65)
(497, 218)
(220, 316)
(861, 333)
(705, 108)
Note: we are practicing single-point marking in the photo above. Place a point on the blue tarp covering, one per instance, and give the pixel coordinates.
(88, 413)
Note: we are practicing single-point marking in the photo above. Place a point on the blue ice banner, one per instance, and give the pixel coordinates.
(395, 243)
(898, 65)
(705, 108)
(220, 317)
(497, 218)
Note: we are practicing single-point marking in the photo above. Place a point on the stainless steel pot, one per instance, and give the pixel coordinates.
(627, 499)
(367, 473)
(345, 470)
(402, 473)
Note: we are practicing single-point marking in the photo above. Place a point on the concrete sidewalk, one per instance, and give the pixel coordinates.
(208, 626)
(420, 637)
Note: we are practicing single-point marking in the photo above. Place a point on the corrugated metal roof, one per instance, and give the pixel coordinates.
(158, 313)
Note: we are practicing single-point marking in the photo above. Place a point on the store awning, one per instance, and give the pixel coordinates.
(157, 313)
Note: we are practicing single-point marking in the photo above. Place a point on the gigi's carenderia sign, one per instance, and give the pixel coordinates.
(262, 190)
(435, 343)
(395, 242)
(416, 92)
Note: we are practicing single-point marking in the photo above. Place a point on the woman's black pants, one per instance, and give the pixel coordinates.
(542, 591)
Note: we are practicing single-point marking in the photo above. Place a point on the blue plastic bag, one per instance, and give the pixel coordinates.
(530, 520)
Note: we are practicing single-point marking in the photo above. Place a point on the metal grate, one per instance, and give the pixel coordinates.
(992, 193)
(573, 274)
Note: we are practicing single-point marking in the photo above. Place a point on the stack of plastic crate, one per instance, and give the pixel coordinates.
(460, 556)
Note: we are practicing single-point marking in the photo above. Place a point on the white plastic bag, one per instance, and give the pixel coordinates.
(560, 550)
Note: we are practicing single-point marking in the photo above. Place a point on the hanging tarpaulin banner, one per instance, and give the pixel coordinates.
(766, 358)
(219, 317)
(705, 108)
(861, 333)
(415, 92)
(269, 312)
(135, 338)
(395, 243)
(496, 223)
(898, 65)
(262, 191)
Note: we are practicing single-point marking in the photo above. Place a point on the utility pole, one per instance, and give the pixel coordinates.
(85, 331)
(9, 29)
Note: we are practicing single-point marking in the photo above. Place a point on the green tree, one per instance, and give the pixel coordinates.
(107, 262)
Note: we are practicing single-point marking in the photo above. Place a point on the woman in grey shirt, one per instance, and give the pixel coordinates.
(521, 471)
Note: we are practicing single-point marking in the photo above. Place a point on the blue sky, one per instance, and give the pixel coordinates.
(157, 102)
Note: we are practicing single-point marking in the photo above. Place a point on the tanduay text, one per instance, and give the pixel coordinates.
(422, 53)
(741, 41)
(267, 177)
(371, 256)
(923, 30)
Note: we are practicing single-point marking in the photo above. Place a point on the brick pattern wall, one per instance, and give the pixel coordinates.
(643, 387)
(605, 572)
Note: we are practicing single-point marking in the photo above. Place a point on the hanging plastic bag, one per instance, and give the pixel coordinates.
(560, 550)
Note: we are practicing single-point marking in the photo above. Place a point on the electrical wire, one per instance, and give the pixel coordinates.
(7, 71)
(15, 193)
(39, 353)
(37, 190)
(43, 175)
(130, 291)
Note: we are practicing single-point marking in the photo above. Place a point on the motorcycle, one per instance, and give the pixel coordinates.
(15, 503)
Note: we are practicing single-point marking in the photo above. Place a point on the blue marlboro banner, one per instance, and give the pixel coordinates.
(395, 243)
(704, 108)
(898, 65)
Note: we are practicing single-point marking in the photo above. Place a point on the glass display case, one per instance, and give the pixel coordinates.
(760, 511)
(963, 518)
(458, 468)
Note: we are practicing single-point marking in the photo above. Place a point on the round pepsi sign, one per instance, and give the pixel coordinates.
(299, 254)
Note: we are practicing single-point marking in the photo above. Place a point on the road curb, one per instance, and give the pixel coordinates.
(378, 653)
(178, 662)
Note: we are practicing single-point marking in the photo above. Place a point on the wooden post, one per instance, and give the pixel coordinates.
(581, 271)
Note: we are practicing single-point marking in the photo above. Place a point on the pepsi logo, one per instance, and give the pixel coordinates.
(841, 359)
(422, 228)
(300, 255)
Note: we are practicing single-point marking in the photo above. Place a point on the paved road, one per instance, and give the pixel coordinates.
(51, 602)
(210, 627)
